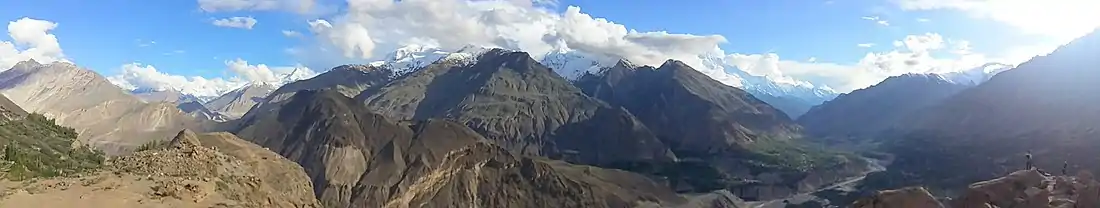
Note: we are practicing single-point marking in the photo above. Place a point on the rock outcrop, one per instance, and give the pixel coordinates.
(1024, 188)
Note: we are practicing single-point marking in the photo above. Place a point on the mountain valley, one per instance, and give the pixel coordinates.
(493, 127)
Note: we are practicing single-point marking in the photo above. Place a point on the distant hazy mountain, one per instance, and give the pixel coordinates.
(106, 116)
(1046, 106)
(869, 111)
(236, 103)
(163, 95)
(872, 110)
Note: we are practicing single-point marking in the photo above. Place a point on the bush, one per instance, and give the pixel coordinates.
(152, 145)
(37, 147)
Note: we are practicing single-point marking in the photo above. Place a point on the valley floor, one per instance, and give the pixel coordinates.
(873, 165)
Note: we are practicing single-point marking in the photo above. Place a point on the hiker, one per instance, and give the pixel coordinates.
(1028, 156)
(1065, 164)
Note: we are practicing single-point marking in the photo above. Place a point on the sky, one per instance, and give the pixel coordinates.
(207, 47)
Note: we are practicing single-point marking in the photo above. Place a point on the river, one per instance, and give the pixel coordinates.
(873, 165)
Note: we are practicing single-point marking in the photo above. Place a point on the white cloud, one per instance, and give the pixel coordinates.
(236, 22)
(1060, 19)
(291, 33)
(877, 20)
(376, 27)
(34, 36)
(253, 73)
(379, 26)
(912, 54)
(137, 75)
(301, 6)
(865, 45)
(923, 20)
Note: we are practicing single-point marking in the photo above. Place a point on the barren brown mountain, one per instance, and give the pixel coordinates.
(357, 158)
(104, 115)
(521, 105)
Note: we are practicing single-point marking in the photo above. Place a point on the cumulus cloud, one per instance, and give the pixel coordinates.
(235, 22)
(377, 27)
(34, 36)
(865, 45)
(137, 75)
(912, 54)
(1061, 19)
(253, 73)
(372, 27)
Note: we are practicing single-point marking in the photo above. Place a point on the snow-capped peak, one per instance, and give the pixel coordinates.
(298, 73)
(572, 64)
(409, 58)
(976, 75)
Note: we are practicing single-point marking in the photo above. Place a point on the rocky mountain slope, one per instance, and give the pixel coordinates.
(1046, 106)
(349, 80)
(198, 110)
(193, 170)
(702, 119)
(357, 158)
(872, 110)
(521, 105)
(236, 103)
(104, 114)
(9, 110)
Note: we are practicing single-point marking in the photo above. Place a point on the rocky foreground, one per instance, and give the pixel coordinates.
(194, 170)
(1025, 188)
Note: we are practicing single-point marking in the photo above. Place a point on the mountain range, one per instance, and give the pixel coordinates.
(104, 115)
(490, 127)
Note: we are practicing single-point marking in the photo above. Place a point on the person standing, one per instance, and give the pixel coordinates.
(1065, 165)
(1029, 165)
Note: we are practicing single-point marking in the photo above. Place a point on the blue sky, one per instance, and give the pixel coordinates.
(106, 35)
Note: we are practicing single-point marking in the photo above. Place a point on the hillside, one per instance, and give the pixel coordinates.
(104, 115)
(193, 170)
(34, 146)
